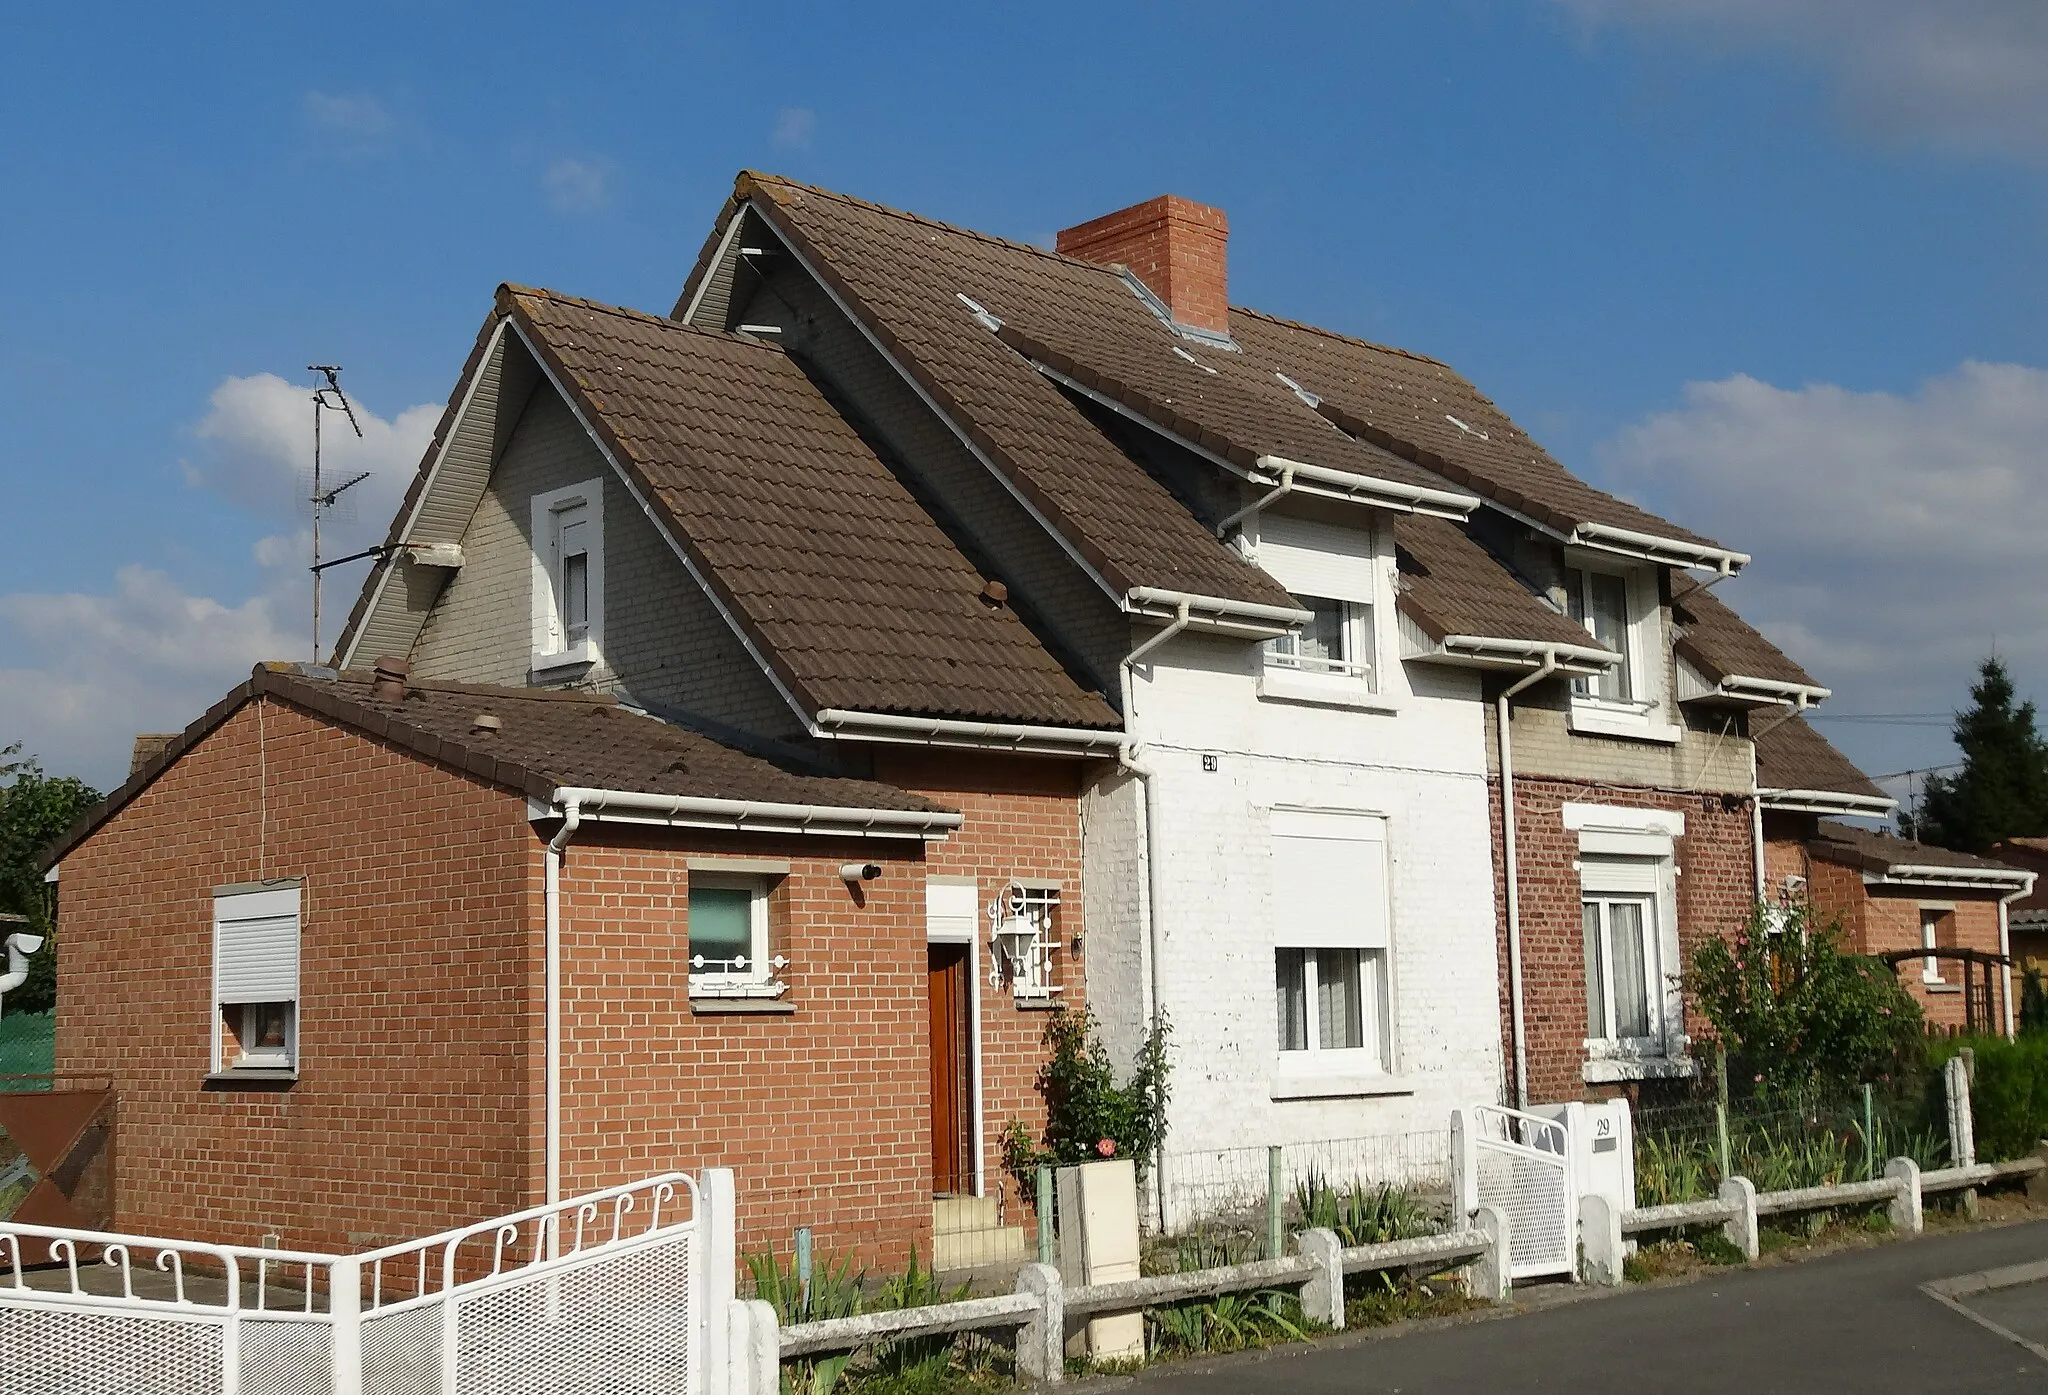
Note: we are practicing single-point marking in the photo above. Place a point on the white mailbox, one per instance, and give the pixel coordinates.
(1603, 1148)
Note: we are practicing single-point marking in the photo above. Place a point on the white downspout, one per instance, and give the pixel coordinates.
(572, 816)
(2005, 951)
(19, 947)
(1127, 759)
(1512, 873)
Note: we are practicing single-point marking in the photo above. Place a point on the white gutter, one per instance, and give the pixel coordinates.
(1512, 873)
(1528, 653)
(572, 816)
(1798, 696)
(1127, 758)
(1651, 548)
(836, 723)
(1215, 613)
(756, 816)
(1971, 878)
(1826, 802)
(1409, 498)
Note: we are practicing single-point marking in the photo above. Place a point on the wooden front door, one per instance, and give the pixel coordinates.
(952, 1068)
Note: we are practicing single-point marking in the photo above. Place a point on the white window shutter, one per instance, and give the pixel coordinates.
(1318, 559)
(1329, 880)
(256, 947)
(952, 911)
(1642, 876)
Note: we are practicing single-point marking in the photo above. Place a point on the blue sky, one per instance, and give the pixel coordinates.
(1773, 267)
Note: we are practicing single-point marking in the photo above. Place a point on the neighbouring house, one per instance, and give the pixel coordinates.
(1272, 684)
(2027, 918)
(1892, 896)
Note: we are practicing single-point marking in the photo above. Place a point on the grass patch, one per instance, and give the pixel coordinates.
(1407, 1301)
(1684, 1252)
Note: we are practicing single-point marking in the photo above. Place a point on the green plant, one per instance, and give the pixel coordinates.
(834, 1291)
(2008, 1091)
(1086, 1108)
(2002, 789)
(1797, 1012)
(35, 810)
(1360, 1214)
(1231, 1322)
(1675, 1166)
(2033, 1001)
(918, 1362)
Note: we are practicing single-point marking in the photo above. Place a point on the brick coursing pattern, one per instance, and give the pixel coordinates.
(1716, 888)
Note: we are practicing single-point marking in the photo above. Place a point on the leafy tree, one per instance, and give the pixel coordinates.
(1798, 1012)
(1089, 1116)
(2002, 789)
(35, 809)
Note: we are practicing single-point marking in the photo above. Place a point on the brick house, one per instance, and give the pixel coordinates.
(2027, 918)
(1891, 895)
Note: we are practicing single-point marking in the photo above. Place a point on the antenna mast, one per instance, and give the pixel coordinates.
(327, 397)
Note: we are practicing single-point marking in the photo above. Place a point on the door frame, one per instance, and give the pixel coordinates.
(950, 934)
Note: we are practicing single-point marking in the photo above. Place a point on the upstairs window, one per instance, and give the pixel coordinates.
(1338, 640)
(1333, 573)
(1599, 601)
(568, 575)
(256, 977)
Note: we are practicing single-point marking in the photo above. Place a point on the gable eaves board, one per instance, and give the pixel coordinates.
(785, 684)
(440, 512)
(706, 301)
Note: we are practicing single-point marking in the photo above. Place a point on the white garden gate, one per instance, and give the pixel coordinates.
(618, 1292)
(1522, 1164)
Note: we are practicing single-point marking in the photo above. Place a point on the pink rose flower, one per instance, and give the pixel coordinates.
(1107, 1147)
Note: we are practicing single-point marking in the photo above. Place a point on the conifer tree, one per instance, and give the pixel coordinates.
(2002, 789)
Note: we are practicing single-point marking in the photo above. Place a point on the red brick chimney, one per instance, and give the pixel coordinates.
(1175, 246)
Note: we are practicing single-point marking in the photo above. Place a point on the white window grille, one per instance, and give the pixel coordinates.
(256, 977)
(1336, 640)
(729, 949)
(1025, 921)
(1330, 932)
(568, 575)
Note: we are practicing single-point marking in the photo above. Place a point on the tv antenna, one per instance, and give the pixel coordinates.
(327, 397)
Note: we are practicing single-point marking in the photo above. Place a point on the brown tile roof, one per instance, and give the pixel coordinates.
(1791, 755)
(1881, 852)
(848, 585)
(904, 276)
(547, 740)
(2031, 910)
(1721, 643)
(1406, 402)
(1453, 586)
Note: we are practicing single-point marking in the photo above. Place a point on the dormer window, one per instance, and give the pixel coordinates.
(1618, 606)
(1334, 572)
(1338, 640)
(1599, 601)
(568, 576)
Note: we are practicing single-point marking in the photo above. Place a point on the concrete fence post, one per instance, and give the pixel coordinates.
(1904, 1210)
(345, 1315)
(1322, 1297)
(1962, 1120)
(1600, 1246)
(1042, 1341)
(1491, 1276)
(2037, 1185)
(1740, 1228)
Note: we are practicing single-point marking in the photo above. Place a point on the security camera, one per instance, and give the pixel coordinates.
(860, 871)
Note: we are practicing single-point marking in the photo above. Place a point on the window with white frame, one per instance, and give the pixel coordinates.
(1333, 574)
(256, 977)
(568, 574)
(1599, 600)
(1937, 931)
(1330, 974)
(1620, 904)
(730, 955)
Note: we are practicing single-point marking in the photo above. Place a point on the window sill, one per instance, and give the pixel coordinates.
(1614, 1071)
(733, 1003)
(1280, 685)
(1324, 1082)
(1036, 1002)
(1588, 719)
(556, 665)
(1942, 987)
(252, 1078)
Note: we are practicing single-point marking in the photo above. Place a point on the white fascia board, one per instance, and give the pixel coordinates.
(1790, 801)
(893, 729)
(388, 564)
(1215, 614)
(1009, 485)
(732, 231)
(661, 526)
(1973, 878)
(751, 816)
(1648, 547)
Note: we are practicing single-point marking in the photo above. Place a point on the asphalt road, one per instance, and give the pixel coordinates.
(1851, 1322)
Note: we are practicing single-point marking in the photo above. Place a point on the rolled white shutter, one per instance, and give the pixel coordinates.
(1622, 875)
(1329, 880)
(1318, 559)
(951, 911)
(256, 946)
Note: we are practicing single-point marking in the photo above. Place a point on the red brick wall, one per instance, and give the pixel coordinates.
(1716, 887)
(1891, 920)
(421, 892)
(1023, 819)
(1178, 248)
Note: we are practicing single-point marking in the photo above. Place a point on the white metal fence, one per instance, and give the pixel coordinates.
(609, 1292)
(1520, 1163)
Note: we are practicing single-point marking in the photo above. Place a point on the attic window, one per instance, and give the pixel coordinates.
(568, 575)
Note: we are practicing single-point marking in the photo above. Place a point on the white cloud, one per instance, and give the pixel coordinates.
(577, 186)
(794, 127)
(87, 669)
(354, 123)
(1897, 537)
(1960, 74)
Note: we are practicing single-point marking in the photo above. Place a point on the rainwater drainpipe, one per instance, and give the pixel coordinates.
(1127, 759)
(1513, 873)
(2005, 949)
(1279, 491)
(572, 816)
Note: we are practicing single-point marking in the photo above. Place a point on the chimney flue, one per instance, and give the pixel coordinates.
(1176, 246)
(387, 679)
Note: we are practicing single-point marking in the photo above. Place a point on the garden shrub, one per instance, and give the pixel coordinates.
(2008, 1092)
(1089, 1116)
